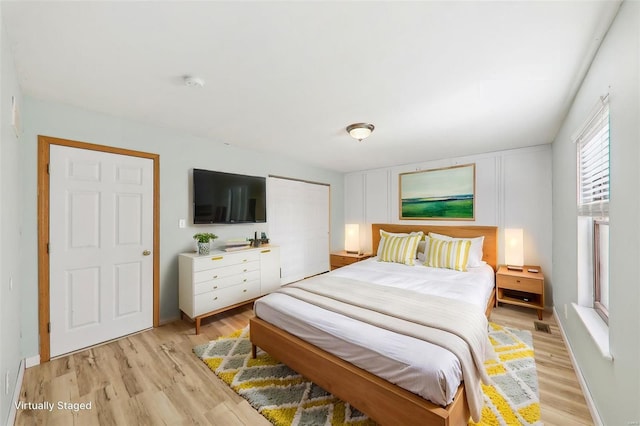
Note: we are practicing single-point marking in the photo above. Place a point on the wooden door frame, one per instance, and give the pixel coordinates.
(44, 144)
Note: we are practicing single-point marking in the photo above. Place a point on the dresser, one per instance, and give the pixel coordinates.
(221, 280)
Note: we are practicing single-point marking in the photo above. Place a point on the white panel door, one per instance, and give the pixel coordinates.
(100, 247)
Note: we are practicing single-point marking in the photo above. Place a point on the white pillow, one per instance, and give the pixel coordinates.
(475, 253)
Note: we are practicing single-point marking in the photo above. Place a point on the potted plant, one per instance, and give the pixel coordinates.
(204, 241)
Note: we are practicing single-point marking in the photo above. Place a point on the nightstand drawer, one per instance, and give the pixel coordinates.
(337, 261)
(344, 258)
(528, 285)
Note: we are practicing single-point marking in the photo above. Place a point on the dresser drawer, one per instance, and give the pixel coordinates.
(219, 299)
(222, 260)
(528, 285)
(219, 273)
(227, 281)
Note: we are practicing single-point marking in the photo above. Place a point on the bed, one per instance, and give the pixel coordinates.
(281, 329)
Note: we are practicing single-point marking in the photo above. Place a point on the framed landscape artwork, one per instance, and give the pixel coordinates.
(439, 194)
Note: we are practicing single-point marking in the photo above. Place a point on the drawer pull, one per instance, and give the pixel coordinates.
(215, 286)
(217, 258)
(215, 276)
(244, 281)
(215, 298)
(244, 260)
(244, 291)
(266, 251)
(245, 270)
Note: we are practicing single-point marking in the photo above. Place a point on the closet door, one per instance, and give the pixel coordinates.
(298, 217)
(286, 226)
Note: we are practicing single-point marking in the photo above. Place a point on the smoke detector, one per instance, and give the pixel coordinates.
(193, 81)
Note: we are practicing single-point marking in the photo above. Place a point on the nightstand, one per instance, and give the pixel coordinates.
(521, 288)
(342, 258)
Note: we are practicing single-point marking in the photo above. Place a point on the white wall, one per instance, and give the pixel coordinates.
(10, 231)
(179, 153)
(513, 190)
(614, 386)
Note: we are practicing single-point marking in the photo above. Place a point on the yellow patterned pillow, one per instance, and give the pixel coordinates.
(398, 248)
(448, 254)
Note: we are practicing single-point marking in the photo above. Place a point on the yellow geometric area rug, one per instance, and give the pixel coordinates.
(286, 398)
(513, 398)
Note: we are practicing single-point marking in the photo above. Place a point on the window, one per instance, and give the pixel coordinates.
(601, 268)
(593, 165)
(593, 201)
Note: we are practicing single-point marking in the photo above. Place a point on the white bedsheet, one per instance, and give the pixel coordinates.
(425, 369)
(473, 286)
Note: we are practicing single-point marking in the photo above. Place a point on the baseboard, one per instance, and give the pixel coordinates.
(32, 361)
(583, 384)
(11, 418)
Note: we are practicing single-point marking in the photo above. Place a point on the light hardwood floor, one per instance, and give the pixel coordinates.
(153, 378)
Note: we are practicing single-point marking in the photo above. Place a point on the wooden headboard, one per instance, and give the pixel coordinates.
(490, 233)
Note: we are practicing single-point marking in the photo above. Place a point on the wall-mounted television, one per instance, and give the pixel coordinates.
(228, 198)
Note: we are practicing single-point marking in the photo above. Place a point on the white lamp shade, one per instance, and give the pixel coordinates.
(352, 238)
(514, 247)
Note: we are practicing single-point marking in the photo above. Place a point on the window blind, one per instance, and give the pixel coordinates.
(593, 164)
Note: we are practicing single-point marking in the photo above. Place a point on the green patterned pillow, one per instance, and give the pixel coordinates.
(398, 248)
(448, 254)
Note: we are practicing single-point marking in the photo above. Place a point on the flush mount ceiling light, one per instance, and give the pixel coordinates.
(191, 81)
(360, 130)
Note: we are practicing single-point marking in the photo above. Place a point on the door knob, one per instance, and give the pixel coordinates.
(146, 253)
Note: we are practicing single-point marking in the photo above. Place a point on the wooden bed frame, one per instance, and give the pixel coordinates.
(381, 400)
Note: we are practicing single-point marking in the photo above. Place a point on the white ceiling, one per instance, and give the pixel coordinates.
(437, 79)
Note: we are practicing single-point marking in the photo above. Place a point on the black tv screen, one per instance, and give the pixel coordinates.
(228, 198)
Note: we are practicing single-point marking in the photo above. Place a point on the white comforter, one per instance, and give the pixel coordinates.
(423, 368)
(473, 286)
